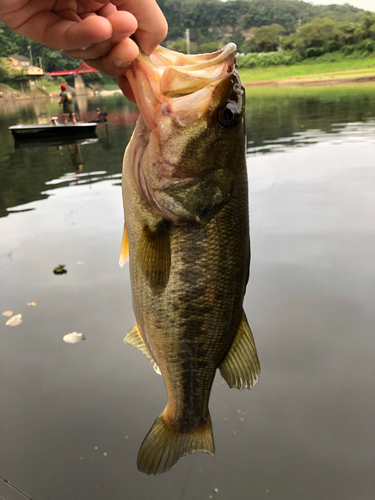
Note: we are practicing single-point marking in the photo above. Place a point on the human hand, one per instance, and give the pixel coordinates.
(97, 31)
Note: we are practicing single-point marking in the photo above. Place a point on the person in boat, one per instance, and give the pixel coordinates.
(97, 31)
(101, 116)
(66, 99)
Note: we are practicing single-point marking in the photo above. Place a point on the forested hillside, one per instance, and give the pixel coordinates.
(209, 21)
(213, 20)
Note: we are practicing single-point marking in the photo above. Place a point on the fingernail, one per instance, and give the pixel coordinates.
(121, 64)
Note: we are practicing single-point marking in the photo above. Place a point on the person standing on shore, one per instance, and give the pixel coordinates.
(68, 105)
(97, 31)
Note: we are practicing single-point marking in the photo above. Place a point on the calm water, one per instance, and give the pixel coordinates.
(72, 417)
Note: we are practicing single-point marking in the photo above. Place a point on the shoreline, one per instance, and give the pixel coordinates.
(7, 95)
(313, 80)
(326, 76)
(296, 81)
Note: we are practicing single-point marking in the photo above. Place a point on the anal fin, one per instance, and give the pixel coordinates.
(135, 339)
(240, 368)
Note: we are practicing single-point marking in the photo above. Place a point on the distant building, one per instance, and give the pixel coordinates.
(22, 63)
(18, 63)
(33, 70)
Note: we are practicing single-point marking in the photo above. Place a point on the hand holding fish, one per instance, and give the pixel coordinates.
(97, 31)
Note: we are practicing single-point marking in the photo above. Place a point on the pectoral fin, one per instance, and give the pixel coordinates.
(135, 339)
(240, 368)
(155, 256)
(124, 252)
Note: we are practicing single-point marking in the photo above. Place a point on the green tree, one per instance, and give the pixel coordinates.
(321, 32)
(206, 48)
(212, 18)
(181, 46)
(351, 33)
(7, 45)
(268, 37)
(4, 72)
(367, 24)
(249, 46)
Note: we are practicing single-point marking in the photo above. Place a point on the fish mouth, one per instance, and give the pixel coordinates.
(168, 82)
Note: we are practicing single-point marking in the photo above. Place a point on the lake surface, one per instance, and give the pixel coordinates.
(72, 417)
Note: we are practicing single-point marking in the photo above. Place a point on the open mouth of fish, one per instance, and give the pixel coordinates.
(174, 93)
(163, 83)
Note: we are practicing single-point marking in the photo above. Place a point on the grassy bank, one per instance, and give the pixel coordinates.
(264, 95)
(46, 87)
(351, 68)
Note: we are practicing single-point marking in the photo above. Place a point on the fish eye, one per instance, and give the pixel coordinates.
(228, 115)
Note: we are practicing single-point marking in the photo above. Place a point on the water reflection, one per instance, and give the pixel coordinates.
(277, 119)
(281, 118)
(307, 429)
(27, 166)
(344, 131)
(47, 142)
(76, 157)
(13, 112)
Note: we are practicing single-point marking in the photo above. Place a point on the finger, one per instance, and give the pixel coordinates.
(124, 85)
(117, 60)
(93, 52)
(122, 54)
(107, 10)
(152, 25)
(60, 34)
(123, 24)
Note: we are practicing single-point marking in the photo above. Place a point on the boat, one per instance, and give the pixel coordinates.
(54, 129)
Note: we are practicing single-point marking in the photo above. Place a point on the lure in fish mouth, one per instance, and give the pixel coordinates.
(186, 237)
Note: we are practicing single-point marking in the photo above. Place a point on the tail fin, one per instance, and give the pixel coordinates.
(164, 446)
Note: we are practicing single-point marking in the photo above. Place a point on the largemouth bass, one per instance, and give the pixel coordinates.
(186, 235)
